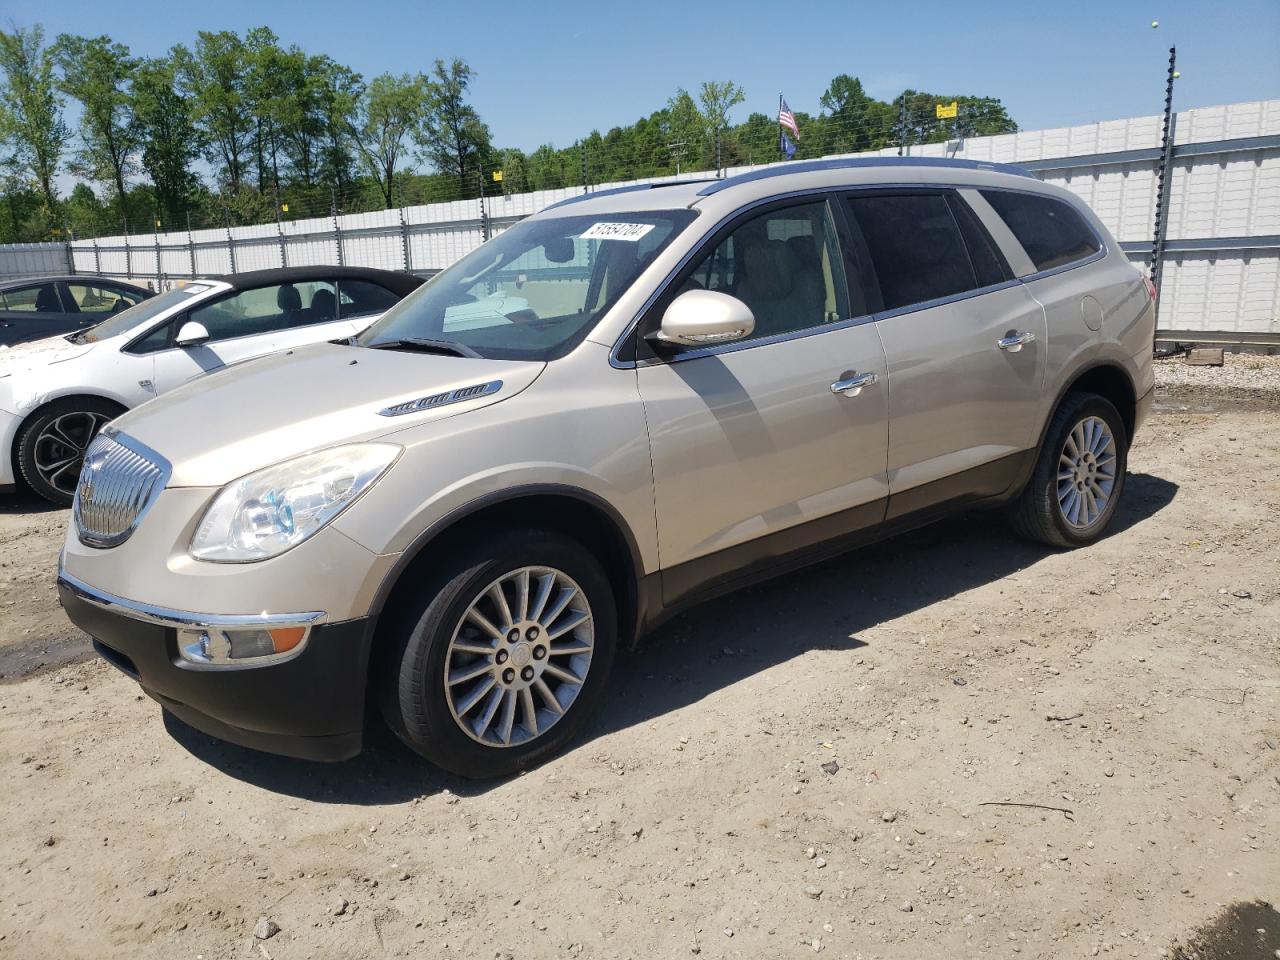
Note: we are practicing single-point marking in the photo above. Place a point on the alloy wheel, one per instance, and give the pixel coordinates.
(1086, 472)
(60, 446)
(519, 656)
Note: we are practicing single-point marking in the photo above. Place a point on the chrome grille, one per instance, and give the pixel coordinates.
(119, 481)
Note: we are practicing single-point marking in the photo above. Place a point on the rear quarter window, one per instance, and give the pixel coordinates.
(1051, 231)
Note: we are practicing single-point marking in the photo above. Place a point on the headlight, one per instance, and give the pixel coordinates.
(268, 512)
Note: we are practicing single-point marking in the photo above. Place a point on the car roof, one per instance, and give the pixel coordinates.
(8, 282)
(781, 178)
(393, 280)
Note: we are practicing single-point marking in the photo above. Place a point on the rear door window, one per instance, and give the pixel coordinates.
(1052, 232)
(361, 298)
(915, 245)
(101, 301)
(266, 309)
(38, 298)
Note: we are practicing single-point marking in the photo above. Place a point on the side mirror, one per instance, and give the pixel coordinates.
(699, 318)
(192, 334)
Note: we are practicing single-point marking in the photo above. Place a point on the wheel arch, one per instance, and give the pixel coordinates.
(44, 405)
(571, 510)
(1108, 380)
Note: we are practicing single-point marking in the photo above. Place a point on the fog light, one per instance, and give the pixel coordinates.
(225, 645)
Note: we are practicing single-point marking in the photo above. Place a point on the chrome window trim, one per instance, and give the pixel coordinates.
(619, 364)
(180, 619)
(161, 464)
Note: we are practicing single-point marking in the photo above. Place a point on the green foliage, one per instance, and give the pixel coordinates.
(453, 137)
(281, 127)
(97, 72)
(33, 126)
(389, 110)
(164, 125)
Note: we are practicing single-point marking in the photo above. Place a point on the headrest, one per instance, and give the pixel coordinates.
(288, 297)
(323, 303)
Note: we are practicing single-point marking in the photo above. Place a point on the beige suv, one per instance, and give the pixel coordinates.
(621, 406)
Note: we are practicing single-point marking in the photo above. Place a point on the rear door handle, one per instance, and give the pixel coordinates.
(852, 386)
(1015, 342)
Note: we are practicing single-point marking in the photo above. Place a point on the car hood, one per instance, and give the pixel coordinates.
(251, 415)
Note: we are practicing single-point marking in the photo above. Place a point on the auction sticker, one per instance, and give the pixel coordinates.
(617, 231)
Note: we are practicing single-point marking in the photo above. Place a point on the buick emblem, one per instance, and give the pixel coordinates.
(91, 467)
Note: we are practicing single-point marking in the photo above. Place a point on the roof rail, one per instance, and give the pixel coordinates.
(630, 188)
(844, 163)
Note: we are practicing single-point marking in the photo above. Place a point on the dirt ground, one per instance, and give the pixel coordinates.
(950, 745)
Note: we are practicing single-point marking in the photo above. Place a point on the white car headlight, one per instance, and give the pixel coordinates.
(268, 512)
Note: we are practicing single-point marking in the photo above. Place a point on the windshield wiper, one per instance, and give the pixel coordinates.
(426, 345)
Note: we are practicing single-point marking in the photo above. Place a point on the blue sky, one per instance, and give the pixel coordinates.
(553, 71)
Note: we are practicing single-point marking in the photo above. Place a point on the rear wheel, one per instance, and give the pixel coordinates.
(504, 655)
(52, 445)
(1079, 477)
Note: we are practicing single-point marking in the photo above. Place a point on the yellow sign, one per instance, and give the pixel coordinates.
(497, 176)
(284, 208)
(157, 223)
(947, 111)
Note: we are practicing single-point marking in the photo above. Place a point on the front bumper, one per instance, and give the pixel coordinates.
(309, 706)
(9, 423)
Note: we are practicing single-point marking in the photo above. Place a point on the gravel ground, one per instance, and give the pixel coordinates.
(1244, 380)
(954, 744)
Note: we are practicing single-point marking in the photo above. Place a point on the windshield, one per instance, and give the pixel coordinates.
(138, 314)
(534, 290)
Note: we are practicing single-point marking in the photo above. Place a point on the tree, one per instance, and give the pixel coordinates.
(716, 99)
(390, 109)
(340, 90)
(452, 134)
(170, 142)
(35, 131)
(213, 77)
(857, 122)
(97, 72)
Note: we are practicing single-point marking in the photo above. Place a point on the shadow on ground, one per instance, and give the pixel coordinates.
(1242, 931)
(25, 502)
(713, 646)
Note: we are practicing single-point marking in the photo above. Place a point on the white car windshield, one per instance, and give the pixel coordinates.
(138, 314)
(533, 291)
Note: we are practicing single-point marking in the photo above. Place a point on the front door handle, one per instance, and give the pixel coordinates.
(852, 386)
(1015, 341)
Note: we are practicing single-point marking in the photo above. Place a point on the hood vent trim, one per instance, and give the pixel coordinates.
(442, 399)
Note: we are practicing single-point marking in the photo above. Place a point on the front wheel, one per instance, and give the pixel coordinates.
(52, 445)
(1079, 476)
(504, 655)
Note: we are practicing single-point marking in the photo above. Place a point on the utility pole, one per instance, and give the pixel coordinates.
(1163, 177)
(902, 124)
(675, 148)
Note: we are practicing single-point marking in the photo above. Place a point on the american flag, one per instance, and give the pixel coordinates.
(788, 119)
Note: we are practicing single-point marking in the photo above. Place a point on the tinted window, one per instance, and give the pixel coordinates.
(143, 313)
(1049, 230)
(264, 309)
(100, 300)
(915, 245)
(360, 298)
(785, 265)
(988, 263)
(42, 298)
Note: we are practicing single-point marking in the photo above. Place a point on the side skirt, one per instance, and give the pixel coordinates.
(668, 592)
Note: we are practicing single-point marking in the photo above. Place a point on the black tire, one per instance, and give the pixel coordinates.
(1036, 513)
(411, 691)
(50, 447)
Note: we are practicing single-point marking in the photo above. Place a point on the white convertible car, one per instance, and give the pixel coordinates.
(56, 394)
